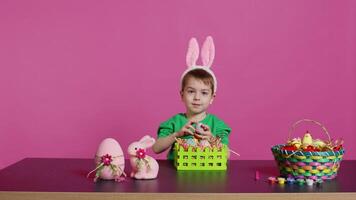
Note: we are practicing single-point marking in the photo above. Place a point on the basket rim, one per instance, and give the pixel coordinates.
(276, 149)
(177, 148)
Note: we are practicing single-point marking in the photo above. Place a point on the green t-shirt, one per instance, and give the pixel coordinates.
(175, 124)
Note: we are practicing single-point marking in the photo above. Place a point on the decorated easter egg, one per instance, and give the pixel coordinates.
(111, 158)
(199, 128)
(191, 142)
(204, 143)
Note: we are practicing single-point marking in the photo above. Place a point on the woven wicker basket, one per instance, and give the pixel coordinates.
(308, 164)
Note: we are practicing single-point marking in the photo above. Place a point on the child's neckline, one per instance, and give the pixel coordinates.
(205, 116)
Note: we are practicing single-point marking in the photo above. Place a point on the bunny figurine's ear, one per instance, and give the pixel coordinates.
(192, 53)
(208, 52)
(147, 141)
(144, 138)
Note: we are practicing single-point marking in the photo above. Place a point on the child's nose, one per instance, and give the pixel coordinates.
(197, 96)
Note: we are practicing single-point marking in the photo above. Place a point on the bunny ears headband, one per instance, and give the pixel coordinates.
(207, 57)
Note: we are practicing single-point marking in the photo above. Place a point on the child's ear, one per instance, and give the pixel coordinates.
(181, 94)
(212, 98)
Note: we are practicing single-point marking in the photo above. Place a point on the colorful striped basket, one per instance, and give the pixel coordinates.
(308, 164)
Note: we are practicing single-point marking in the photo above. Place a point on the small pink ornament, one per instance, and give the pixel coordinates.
(106, 159)
(140, 153)
(272, 180)
(257, 175)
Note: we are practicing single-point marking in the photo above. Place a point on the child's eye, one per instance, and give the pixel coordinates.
(190, 91)
(205, 93)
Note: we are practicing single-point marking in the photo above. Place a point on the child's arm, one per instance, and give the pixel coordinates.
(164, 143)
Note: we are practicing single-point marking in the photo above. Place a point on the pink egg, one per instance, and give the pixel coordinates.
(110, 148)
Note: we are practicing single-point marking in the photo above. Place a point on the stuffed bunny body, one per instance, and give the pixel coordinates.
(143, 166)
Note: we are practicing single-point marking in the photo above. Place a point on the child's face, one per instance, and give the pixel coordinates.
(197, 96)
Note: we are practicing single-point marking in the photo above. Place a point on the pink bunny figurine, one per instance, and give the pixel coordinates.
(143, 166)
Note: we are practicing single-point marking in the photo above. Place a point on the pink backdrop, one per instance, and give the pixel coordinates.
(75, 72)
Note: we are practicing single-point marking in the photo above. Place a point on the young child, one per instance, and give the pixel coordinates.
(198, 90)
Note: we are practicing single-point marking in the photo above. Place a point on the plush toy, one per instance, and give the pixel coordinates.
(307, 139)
(110, 161)
(143, 166)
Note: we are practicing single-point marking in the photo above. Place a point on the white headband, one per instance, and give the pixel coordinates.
(207, 57)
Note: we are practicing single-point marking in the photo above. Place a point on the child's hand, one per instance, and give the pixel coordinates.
(187, 129)
(204, 132)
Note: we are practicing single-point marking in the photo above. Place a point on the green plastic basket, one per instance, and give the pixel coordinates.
(197, 159)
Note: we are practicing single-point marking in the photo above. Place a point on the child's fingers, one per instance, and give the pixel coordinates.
(206, 134)
(188, 131)
(198, 131)
(201, 137)
(206, 137)
(198, 136)
(205, 127)
(190, 128)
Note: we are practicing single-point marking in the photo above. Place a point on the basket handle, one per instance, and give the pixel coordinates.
(308, 120)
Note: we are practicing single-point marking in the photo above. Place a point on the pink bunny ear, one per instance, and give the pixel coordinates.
(147, 141)
(192, 53)
(208, 52)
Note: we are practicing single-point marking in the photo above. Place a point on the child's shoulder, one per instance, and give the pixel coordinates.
(213, 117)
